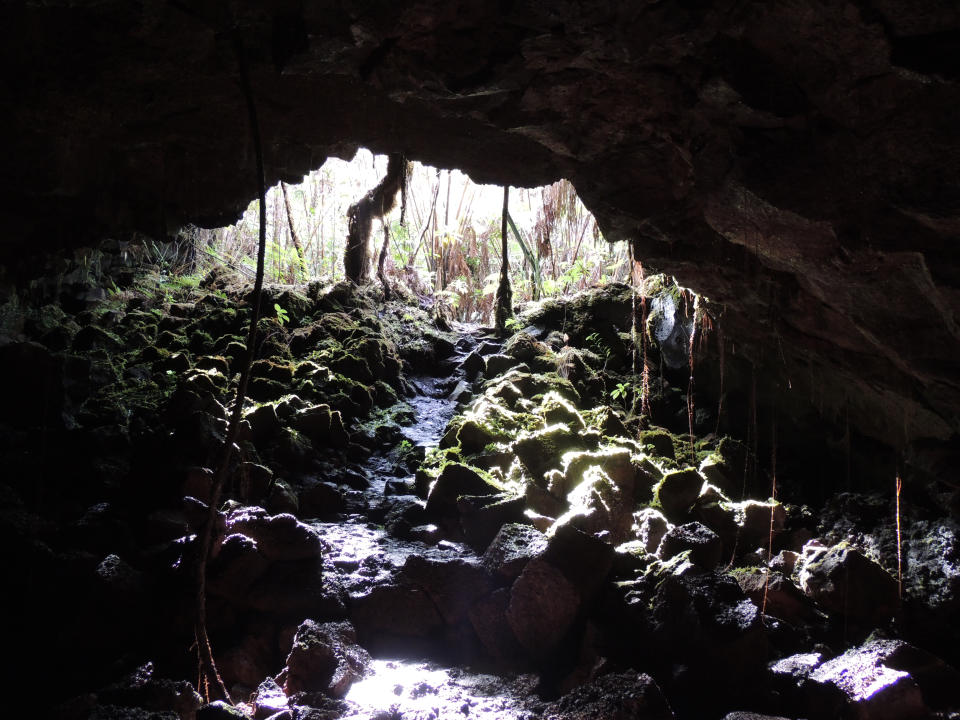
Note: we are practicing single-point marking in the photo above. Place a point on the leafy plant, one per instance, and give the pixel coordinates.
(281, 315)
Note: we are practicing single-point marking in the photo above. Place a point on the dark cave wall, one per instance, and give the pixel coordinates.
(796, 162)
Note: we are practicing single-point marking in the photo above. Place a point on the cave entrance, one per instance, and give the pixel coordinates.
(445, 243)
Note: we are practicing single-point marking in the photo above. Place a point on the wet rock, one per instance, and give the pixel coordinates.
(616, 696)
(704, 544)
(264, 423)
(543, 605)
(397, 610)
(751, 716)
(512, 548)
(453, 481)
(295, 590)
(254, 482)
(841, 580)
(677, 491)
(862, 685)
(757, 519)
(649, 525)
(325, 658)
(269, 699)
(320, 499)
(282, 498)
(279, 537)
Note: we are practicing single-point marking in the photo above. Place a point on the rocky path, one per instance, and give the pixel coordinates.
(408, 677)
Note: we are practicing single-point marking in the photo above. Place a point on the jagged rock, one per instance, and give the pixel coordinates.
(599, 507)
(473, 437)
(616, 696)
(220, 710)
(556, 409)
(482, 516)
(677, 491)
(704, 544)
(862, 685)
(395, 610)
(510, 551)
(488, 617)
(268, 700)
(453, 481)
(473, 365)
(323, 426)
(583, 559)
(142, 690)
(650, 526)
(294, 590)
(452, 583)
(616, 462)
(543, 604)
(236, 567)
(325, 657)
(784, 600)
(498, 364)
(738, 715)
(264, 423)
(279, 537)
(841, 580)
(282, 499)
(542, 450)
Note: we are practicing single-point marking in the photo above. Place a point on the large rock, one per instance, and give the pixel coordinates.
(325, 657)
(279, 537)
(543, 605)
(677, 491)
(841, 580)
(704, 544)
(510, 551)
(616, 696)
(453, 481)
(452, 583)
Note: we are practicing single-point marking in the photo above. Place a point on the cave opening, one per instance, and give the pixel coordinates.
(706, 470)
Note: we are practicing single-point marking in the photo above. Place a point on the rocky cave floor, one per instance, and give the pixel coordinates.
(429, 523)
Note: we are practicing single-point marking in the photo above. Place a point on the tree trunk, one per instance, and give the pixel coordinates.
(504, 307)
(372, 206)
(294, 236)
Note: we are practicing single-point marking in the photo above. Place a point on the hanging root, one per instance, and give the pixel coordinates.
(372, 206)
(899, 543)
(380, 261)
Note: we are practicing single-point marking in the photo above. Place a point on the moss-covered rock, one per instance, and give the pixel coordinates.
(676, 492)
(543, 450)
(454, 480)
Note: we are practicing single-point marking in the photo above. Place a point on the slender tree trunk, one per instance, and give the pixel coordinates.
(294, 236)
(504, 308)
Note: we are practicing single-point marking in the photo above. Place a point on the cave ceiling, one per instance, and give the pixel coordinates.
(796, 161)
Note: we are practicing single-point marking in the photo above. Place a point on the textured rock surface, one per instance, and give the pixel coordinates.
(793, 154)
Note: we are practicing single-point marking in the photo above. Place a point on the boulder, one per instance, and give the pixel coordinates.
(599, 507)
(452, 583)
(453, 481)
(513, 547)
(542, 450)
(617, 696)
(543, 605)
(841, 580)
(649, 525)
(279, 537)
(704, 544)
(488, 617)
(784, 600)
(322, 426)
(472, 365)
(325, 657)
(677, 491)
(482, 516)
